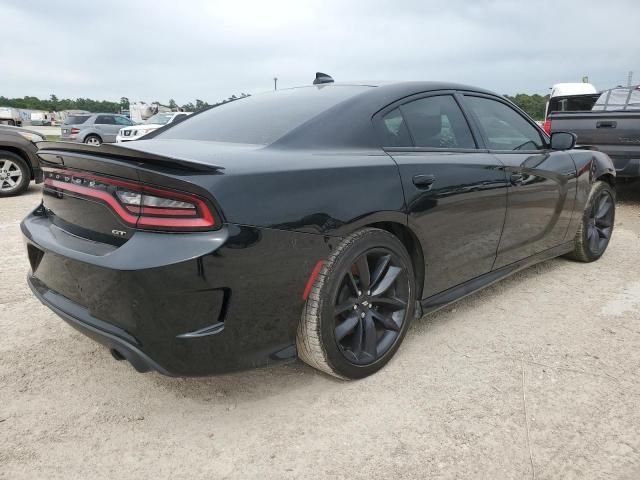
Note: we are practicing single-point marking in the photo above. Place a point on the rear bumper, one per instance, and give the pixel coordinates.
(80, 319)
(180, 304)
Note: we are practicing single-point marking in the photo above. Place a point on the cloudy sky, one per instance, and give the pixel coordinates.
(157, 50)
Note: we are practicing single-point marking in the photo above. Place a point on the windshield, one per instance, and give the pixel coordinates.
(261, 119)
(159, 118)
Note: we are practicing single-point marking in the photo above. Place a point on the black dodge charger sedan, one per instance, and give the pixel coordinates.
(313, 222)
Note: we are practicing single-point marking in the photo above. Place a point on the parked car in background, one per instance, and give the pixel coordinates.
(612, 126)
(19, 163)
(313, 221)
(10, 116)
(94, 128)
(158, 120)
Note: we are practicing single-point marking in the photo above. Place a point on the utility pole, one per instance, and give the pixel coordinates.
(275, 83)
(629, 78)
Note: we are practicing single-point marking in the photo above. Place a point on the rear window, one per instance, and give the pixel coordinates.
(75, 119)
(261, 119)
(573, 103)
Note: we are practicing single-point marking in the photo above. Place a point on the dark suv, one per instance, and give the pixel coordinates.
(19, 163)
(93, 128)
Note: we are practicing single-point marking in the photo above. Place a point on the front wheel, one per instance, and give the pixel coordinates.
(594, 233)
(360, 306)
(14, 174)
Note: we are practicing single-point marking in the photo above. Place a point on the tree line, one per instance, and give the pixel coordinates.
(532, 104)
(55, 104)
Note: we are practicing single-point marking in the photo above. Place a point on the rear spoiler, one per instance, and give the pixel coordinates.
(52, 152)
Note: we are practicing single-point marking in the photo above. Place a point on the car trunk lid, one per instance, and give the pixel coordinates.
(106, 193)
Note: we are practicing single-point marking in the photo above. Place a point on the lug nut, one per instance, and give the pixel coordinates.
(362, 315)
(355, 307)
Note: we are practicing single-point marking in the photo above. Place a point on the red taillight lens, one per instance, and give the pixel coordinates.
(139, 206)
(547, 126)
(75, 131)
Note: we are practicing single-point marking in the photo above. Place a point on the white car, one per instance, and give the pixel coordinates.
(158, 120)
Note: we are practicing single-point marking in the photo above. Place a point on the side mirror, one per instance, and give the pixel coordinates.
(563, 140)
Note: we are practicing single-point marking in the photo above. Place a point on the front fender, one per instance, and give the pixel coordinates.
(591, 165)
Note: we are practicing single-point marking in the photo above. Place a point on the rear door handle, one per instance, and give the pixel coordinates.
(606, 124)
(424, 181)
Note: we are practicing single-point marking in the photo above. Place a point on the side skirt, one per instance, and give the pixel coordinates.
(442, 299)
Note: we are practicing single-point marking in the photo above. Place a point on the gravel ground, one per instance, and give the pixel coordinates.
(535, 377)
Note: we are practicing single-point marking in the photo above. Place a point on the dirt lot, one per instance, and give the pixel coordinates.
(535, 377)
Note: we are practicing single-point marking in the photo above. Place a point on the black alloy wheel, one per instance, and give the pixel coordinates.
(600, 224)
(370, 306)
(359, 307)
(594, 233)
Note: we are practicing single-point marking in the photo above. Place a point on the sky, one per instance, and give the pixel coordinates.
(157, 50)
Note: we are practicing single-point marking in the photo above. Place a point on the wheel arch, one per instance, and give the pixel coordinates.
(91, 134)
(411, 242)
(608, 178)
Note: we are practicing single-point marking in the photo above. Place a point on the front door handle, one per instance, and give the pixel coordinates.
(424, 181)
(606, 124)
(516, 179)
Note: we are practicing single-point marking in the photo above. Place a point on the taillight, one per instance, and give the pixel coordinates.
(547, 126)
(139, 206)
(75, 131)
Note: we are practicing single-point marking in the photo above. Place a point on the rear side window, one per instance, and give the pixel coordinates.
(395, 130)
(75, 119)
(503, 127)
(261, 119)
(105, 120)
(437, 122)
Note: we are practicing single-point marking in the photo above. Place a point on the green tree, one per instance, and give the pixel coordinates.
(534, 104)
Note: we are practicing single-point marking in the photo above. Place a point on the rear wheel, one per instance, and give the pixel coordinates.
(594, 233)
(360, 306)
(93, 140)
(14, 174)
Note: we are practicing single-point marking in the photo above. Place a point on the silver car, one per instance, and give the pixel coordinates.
(94, 128)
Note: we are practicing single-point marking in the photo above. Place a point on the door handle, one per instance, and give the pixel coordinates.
(606, 124)
(516, 179)
(424, 181)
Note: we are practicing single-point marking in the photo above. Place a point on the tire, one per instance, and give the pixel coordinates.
(15, 174)
(12, 123)
(93, 140)
(596, 228)
(342, 319)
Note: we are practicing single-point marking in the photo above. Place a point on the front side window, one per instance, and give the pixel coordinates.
(437, 122)
(123, 121)
(503, 127)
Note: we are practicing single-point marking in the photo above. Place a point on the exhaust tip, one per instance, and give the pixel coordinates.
(117, 355)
